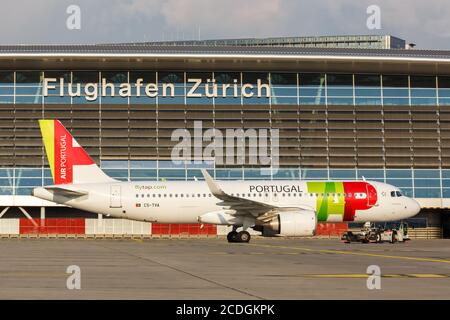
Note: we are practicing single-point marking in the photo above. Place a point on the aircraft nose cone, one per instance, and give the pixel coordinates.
(414, 207)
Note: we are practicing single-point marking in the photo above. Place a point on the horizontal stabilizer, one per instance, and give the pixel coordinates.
(66, 192)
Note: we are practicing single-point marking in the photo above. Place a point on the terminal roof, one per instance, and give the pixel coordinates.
(145, 56)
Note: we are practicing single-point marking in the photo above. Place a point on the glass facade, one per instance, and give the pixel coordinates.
(392, 128)
(420, 183)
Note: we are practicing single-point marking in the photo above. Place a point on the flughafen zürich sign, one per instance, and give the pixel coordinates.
(91, 91)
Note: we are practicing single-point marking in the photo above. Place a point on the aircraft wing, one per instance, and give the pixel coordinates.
(242, 206)
(66, 192)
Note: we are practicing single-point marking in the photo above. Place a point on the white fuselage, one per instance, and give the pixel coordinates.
(185, 201)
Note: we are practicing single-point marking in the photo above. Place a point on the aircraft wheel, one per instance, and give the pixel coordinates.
(232, 236)
(346, 238)
(378, 238)
(243, 236)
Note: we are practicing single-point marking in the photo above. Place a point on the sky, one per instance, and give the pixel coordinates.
(425, 23)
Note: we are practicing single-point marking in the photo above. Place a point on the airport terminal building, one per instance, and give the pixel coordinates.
(340, 113)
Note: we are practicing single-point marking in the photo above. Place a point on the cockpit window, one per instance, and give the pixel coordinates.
(396, 194)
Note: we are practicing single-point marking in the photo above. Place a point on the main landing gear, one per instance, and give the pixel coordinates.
(242, 236)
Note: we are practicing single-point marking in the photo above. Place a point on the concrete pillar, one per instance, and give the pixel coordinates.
(42, 216)
(100, 220)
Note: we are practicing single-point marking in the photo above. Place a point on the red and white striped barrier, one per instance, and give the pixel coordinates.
(82, 226)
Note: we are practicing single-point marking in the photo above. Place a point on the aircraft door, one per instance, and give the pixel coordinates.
(371, 195)
(115, 196)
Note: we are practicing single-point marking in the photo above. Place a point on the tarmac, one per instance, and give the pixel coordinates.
(266, 268)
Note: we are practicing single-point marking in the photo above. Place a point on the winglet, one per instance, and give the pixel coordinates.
(212, 185)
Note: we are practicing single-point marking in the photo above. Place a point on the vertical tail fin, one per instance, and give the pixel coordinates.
(68, 161)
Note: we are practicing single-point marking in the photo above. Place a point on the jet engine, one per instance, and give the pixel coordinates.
(300, 223)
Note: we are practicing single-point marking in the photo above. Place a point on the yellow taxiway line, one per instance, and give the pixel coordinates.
(358, 276)
(377, 255)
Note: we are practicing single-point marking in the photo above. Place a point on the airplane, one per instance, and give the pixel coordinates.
(276, 208)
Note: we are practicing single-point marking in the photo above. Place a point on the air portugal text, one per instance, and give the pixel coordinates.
(196, 89)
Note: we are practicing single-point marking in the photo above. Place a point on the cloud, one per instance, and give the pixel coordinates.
(231, 17)
(22, 20)
(44, 21)
(423, 22)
